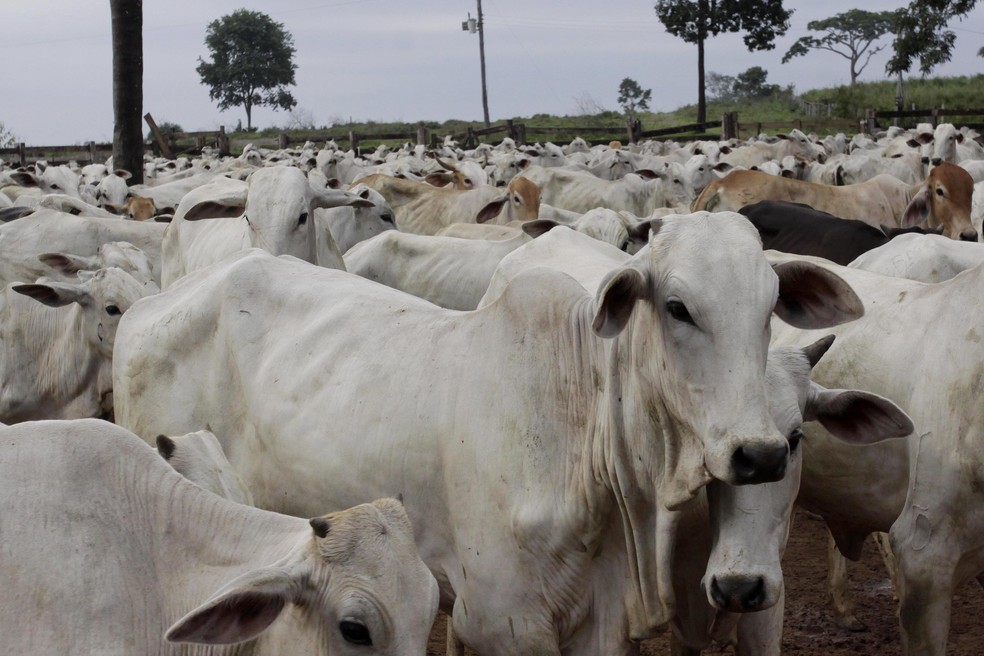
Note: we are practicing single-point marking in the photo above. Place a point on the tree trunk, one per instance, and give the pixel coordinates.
(127, 20)
(249, 116)
(701, 97)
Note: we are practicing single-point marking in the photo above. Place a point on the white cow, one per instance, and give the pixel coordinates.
(50, 231)
(765, 510)
(144, 560)
(932, 513)
(350, 225)
(548, 437)
(199, 457)
(448, 271)
(579, 191)
(272, 210)
(56, 357)
(120, 254)
(926, 258)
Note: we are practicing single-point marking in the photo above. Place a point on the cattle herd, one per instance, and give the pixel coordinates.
(296, 401)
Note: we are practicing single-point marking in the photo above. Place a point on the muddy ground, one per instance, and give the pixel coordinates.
(809, 627)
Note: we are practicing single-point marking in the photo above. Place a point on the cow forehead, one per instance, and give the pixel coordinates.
(716, 244)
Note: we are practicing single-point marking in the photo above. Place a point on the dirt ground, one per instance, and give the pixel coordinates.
(809, 627)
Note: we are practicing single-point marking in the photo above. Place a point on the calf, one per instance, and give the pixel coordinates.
(146, 560)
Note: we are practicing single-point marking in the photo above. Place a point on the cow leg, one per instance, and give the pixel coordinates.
(760, 633)
(837, 584)
(454, 646)
(926, 572)
(885, 548)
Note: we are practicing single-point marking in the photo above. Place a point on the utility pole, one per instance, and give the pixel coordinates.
(472, 25)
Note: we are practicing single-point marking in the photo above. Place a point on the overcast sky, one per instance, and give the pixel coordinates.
(396, 60)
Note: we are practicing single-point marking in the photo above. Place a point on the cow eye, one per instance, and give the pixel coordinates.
(679, 312)
(624, 246)
(54, 186)
(355, 633)
(113, 310)
(939, 191)
(517, 199)
(303, 219)
(794, 440)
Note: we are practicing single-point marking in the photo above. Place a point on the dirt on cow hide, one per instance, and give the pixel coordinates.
(809, 626)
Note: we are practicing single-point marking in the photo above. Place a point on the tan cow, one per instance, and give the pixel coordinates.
(424, 209)
(943, 199)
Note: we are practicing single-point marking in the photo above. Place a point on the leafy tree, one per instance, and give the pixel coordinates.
(632, 97)
(7, 138)
(721, 87)
(252, 62)
(921, 33)
(851, 35)
(128, 147)
(695, 21)
(168, 130)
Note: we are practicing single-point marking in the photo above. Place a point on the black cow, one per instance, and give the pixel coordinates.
(797, 228)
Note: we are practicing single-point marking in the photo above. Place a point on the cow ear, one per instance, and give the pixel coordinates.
(240, 611)
(491, 210)
(649, 174)
(538, 227)
(439, 178)
(54, 294)
(917, 211)
(25, 179)
(616, 299)
(211, 209)
(332, 198)
(856, 417)
(812, 297)
(639, 233)
(67, 263)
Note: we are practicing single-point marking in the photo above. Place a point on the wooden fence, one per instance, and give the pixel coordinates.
(192, 143)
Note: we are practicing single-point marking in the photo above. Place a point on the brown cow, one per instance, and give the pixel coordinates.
(424, 209)
(942, 200)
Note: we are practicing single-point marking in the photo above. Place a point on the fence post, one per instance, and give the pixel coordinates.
(282, 140)
(422, 138)
(92, 152)
(21, 154)
(470, 140)
(729, 126)
(871, 124)
(511, 130)
(223, 142)
(354, 142)
(165, 150)
(521, 134)
(935, 117)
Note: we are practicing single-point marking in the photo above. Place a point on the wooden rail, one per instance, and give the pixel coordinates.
(191, 143)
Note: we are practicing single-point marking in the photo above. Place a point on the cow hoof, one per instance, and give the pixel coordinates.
(851, 623)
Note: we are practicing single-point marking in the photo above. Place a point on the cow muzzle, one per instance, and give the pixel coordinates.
(753, 464)
(738, 594)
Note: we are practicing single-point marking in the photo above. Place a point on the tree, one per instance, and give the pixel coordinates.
(851, 35)
(128, 147)
(252, 62)
(921, 33)
(7, 138)
(632, 97)
(695, 21)
(751, 84)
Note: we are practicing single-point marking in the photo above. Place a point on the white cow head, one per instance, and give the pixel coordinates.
(353, 584)
(750, 524)
(350, 225)
(277, 203)
(691, 314)
(120, 254)
(199, 458)
(103, 297)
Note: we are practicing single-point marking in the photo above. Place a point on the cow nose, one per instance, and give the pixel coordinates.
(937, 160)
(968, 235)
(738, 594)
(759, 464)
